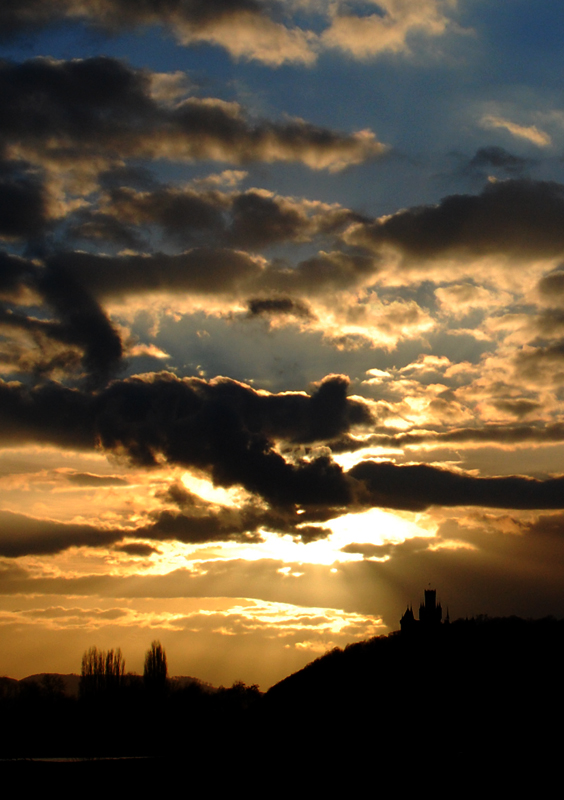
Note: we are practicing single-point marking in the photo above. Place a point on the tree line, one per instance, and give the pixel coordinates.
(116, 713)
(103, 671)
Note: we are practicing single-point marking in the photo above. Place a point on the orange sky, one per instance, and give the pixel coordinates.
(282, 326)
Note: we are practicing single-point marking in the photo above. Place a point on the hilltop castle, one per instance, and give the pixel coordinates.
(430, 615)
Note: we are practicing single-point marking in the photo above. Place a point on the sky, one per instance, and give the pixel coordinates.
(282, 325)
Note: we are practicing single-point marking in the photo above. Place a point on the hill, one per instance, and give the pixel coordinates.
(487, 685)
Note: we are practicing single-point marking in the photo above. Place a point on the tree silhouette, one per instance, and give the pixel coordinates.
(101, 671)
(155, 672)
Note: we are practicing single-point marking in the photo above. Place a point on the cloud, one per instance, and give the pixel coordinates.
(518, 218)
(388, 29)
(204, 271)
(222, 427)
(81, 334)
(484, 564)
(232, 433)
(227, 429)
(49, 413)
(531, 132)
(83, 322)
(23, 201)
(244, 27)
(492, 157)
(460, 298)
(551, 286)
(541, 364)
(234, 278)
(420, 486)
(278, 306)
(504, 435)
(21, 535)
(251, 219)
(137, 549)
(271, 32)
(85, 115)
(88, 479)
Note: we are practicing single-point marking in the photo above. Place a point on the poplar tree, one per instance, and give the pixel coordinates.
(155, 672)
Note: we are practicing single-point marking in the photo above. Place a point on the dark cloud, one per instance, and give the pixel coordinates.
(15, 274)
(198, 522)
(278, 306)
(82, 322)
(186, 216)
(521, 218)
(49, 413)
(497, 158)
(417, 487)
(104, 227)
(200, 528)
(324, 273)
(23, 203)
(259, 220)
(520, 407)
(550, 322)
(81, 333)
(29, 15)
(202, 521)
(552, 284)
(141, 414)
(532, 362)
(230, 432)
(88, 479)
(200, 271)
(211, 271)
(227, 430)
(21, 536)
(222, 427)
(72, 112)
(249, 219)
(137, 549)
(368, 550)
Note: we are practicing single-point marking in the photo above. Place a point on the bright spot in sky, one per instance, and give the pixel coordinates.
(372, 527)
(213, 494)
(375, 527)
(348, 460)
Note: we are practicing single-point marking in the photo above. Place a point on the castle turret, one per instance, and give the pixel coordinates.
(408, 621)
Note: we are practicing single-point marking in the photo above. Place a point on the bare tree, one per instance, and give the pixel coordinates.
(155, 673)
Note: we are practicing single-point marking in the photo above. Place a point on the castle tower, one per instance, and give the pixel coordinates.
(430, 612)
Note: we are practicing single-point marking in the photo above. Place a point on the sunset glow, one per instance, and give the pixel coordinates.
(281, 327)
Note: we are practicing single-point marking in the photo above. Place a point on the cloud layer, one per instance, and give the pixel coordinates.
(265, 30)
(281, 322)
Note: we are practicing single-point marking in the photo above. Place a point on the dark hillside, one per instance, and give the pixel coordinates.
(484, 685)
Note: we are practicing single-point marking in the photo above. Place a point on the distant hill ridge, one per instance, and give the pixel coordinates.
(69, 683)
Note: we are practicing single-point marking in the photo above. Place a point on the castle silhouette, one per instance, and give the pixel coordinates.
(430, 615)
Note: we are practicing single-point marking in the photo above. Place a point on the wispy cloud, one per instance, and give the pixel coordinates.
(529, 132)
